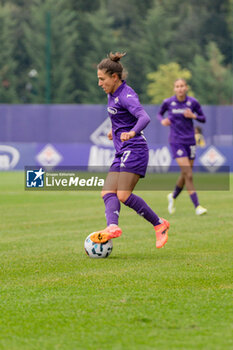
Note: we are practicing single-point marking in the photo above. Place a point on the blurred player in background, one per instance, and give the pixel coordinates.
(200, 140)
(131, 158)
(182, 110)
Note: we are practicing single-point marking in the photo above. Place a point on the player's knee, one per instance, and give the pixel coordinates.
(190, 178)
(123, 196)
(103, 193)
(188, 175)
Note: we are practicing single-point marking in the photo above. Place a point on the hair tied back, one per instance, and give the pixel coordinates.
(116, 56)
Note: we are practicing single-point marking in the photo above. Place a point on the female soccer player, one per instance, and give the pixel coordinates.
(128, 120)
(182, 110)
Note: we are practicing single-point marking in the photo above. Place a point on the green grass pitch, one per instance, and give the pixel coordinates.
(54, 297)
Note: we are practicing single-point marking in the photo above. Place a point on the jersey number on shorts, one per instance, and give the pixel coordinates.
(124, 158)
(192, 151)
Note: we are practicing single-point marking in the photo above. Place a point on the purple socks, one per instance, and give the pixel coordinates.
(194, 199)
(112, 208)
(139, 205)
(177, 191)
(193, 196)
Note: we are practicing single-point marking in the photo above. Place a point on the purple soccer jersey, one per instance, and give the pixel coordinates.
(127, 114)
(131, 156)
(181, 129)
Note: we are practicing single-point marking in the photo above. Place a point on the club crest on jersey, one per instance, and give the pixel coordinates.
(116, 99)
(173, 103)
(179, 152)
(188, 103)
(112, 110)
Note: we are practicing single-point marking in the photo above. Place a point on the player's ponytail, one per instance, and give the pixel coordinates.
(113, 65)
(116, 56)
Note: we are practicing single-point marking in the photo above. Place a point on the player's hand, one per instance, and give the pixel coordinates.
(189, 114)
(125, 136)
(166, 122)
(110, 135)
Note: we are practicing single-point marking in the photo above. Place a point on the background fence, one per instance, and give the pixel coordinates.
(77, 135)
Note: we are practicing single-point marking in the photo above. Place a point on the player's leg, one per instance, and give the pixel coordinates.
(199, 210)
(186, 166)
(171, 197)
(177, 150)
(112, 203)
(126, 184)
(112, 210)
(186, 173)
(177, 190)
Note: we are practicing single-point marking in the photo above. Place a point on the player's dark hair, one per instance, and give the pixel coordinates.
(112, 65)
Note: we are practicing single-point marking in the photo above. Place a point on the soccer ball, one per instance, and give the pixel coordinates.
(97, 250)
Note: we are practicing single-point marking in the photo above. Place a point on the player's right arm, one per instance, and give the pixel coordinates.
(163, 109)
(166, 122)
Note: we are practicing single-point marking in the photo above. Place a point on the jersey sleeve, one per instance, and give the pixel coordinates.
(163, 109)
(199, 113)
(132, 104)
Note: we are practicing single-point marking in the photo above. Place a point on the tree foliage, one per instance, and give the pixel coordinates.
(196, 34)
(212, 80)
(49, 41)
(7, 64)
(162, 81)
(98, 44)
(150, 49)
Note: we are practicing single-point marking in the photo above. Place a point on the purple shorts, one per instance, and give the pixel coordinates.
(131, 161)
(180, 150)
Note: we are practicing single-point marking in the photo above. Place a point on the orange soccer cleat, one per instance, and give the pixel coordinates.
(161, 232)
(112, 231)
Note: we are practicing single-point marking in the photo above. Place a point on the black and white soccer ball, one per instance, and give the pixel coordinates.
(97, 250)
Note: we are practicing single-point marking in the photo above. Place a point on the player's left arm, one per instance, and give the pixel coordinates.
(133, 105)
(198, 115)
